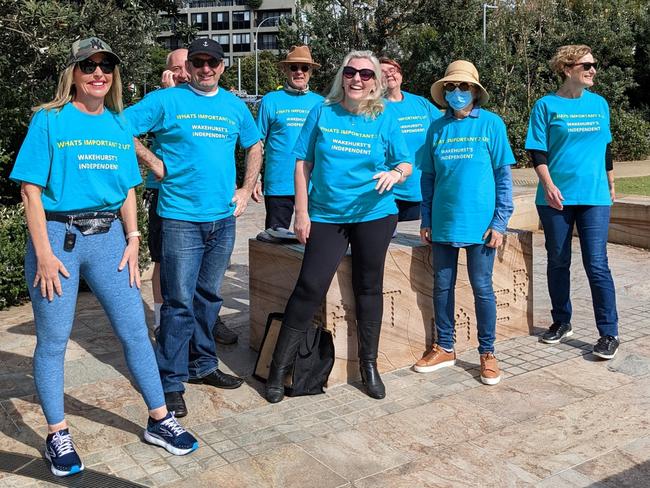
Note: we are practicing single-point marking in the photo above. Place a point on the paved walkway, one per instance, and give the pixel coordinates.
(524, 177)
(559, 418)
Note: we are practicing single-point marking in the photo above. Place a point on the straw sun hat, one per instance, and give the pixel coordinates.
(458, 72)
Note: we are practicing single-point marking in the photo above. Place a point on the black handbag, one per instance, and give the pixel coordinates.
(313, 363)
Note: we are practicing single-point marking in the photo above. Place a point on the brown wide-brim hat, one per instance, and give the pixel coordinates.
(300, 55)
(458, 72)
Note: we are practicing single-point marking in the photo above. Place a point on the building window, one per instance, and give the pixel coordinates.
(241, 43)
(226, 61)
(220, 21)
(224, 40)
(266, 14)
(170, 43)
(200, 21)
(267, 41)
(241, 20)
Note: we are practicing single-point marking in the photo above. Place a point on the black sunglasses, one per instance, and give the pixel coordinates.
(294, 67)
(88, 66)
(586, 66)
(200, 62)
(365, 74)
(451, 86)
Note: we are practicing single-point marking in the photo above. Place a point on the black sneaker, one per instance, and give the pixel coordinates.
(557, 332)
(222, 334)
(606, 347)
(60, 452)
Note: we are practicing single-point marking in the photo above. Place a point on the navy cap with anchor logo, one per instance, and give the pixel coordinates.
(205, 46)
(85, 48)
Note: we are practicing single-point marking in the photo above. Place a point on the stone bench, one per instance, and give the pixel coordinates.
(407, 328)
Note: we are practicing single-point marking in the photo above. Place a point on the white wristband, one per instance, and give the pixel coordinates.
(135, 233)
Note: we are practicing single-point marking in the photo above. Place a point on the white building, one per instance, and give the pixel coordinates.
(233, 24)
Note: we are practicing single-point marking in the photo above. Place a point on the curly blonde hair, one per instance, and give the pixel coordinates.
(371, 106)
(567, 56)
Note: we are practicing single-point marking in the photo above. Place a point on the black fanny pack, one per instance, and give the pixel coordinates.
(88, 223)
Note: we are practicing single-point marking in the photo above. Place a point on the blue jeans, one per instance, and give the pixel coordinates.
(480, 262)
(195, 256)
(96, 258)
(592, 223)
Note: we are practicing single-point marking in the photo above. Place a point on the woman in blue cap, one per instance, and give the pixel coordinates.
(77, 169)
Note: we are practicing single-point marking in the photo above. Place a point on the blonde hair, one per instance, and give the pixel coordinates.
(371, 106)
(66, 91)
(567, 56)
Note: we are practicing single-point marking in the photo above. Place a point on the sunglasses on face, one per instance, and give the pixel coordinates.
(88, 66)
(452, 86)
(200, 62)
(294, 67)
(365, 74)
(587, 66)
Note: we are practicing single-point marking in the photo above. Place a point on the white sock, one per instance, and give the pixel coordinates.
(446, 350)
(156, 315)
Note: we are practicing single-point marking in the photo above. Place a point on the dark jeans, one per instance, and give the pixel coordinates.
(592, 223)
(279, 210)
(407, 210)
(195, 256)
(154, 235)
(325, 248)
(480, 262)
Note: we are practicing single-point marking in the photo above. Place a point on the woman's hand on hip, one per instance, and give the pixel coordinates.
(130, 258)
(425, 235)
(553, 197)
(47, 276)
(496, 238)
(386, 180)
(302, 227)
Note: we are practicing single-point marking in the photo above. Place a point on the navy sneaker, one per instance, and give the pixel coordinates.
(557, 332)
(60, 452)
(168, 433)
(606, 347)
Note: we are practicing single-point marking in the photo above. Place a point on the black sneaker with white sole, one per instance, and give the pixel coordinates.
(557, 332)
(606, 347)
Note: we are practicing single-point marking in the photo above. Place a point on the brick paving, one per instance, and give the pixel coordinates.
(559, 417)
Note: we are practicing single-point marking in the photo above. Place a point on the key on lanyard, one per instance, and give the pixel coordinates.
(70, 237)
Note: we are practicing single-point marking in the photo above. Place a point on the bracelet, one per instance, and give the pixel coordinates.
(135, 233)
(399, 170)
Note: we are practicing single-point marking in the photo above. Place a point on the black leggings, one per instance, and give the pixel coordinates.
(325, 248)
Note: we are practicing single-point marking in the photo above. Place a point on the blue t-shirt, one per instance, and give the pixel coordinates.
(463, 154)
(574, 133)
(414, 116)
(195, 138)
(279, 120)
(83, 162)
(347, 150)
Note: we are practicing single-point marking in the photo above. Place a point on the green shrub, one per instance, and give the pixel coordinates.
(630, 135)
(13, 237)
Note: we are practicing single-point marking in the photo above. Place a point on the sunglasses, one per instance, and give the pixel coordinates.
(450, 86)
(586, 66)
(200, 63)
(365, 74)
(294, 67)
(88, 66)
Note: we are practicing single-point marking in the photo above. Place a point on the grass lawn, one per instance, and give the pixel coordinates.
(633, 186)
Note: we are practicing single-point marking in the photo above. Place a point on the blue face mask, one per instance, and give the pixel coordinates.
(459, 99)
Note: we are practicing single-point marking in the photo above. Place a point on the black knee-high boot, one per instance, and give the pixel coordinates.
(284, 356)
(368, 336)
